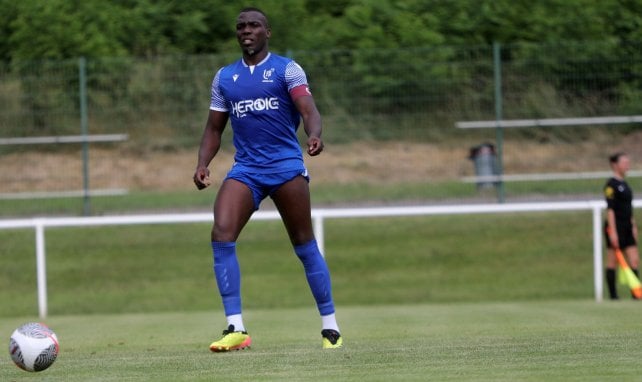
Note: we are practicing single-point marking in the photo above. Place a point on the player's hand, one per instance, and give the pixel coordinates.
(202, 177)
(315, 146)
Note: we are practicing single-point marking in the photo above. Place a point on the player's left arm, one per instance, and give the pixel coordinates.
(311, 123)
(299, 90)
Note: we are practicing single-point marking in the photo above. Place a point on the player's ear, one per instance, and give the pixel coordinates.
(268, 32)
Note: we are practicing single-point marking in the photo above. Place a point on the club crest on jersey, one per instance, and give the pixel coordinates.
(267, 73)
(235, 77)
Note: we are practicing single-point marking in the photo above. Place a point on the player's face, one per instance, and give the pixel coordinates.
(252, 32)
(623, 164)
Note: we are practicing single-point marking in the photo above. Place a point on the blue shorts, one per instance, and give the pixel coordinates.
(264, 185)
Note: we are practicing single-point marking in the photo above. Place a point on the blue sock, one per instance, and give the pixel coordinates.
(228, 276)
(318, 275)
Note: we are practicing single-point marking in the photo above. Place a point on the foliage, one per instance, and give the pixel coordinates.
(150, 62)
(95, 28)
(64, 29)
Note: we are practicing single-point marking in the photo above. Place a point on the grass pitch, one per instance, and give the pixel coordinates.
(525, 341)
(474, 298)
(443, 259)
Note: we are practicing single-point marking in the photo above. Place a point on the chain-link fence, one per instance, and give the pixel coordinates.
(401, 104)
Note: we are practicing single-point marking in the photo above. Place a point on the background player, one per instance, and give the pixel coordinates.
(620, 228)
(264, 96)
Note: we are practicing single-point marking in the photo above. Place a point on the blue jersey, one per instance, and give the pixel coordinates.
(262, 113)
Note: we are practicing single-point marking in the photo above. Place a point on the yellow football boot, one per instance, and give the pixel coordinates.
(331, 339)
(231, 341)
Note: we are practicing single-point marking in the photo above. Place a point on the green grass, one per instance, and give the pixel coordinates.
(513, 341)
(322, 194)
(508, 257)
(469, 297)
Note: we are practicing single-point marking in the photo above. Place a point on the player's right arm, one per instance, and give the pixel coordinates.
(211, 139)
(612, 229)
(611, 205)
(210, 144)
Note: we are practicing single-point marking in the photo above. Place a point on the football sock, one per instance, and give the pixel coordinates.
(318, 275)
(329, 322)
(228, 276)
(237, 321)
(610, 282)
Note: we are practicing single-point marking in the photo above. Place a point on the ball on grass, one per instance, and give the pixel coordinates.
(33, 347)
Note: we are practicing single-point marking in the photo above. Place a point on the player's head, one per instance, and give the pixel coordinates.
(620, 162)
(252, 31)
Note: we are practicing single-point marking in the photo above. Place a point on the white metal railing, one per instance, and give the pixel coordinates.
(318, 216)
(64, 139)
(546, 122)
(85, 139)
(546, 176)
(583, 121)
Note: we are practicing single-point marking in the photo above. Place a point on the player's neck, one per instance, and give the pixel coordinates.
(254, 59)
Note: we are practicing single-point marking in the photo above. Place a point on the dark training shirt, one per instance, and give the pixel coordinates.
(619, 196)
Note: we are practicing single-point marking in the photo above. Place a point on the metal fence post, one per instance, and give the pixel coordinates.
(84, 131)
(318, 233)
(499, 133)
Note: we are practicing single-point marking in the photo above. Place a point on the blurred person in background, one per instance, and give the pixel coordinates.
(264, 96)
(620, 229)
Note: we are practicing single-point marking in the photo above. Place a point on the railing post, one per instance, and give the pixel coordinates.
(84, 131)
(41, 268)
(318, 232)
(499, 132)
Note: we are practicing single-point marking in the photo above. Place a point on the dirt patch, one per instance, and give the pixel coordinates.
(368, 162)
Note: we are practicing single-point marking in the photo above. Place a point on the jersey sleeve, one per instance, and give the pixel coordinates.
(296, 80)
(609, 195)
(217, 101)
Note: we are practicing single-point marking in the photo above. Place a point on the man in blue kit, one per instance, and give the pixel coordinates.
(264, 96)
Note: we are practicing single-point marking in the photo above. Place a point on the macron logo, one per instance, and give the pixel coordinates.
(241, 108)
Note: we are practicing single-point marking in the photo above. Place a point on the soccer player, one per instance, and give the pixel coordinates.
(620, 229)
(264, 96)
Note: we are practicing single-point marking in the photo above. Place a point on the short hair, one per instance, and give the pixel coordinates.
(255, 9)
(614, 158)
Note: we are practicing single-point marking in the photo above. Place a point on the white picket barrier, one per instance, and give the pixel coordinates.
(318, 216)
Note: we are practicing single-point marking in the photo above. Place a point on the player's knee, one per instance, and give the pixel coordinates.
(302, 238)
(221, 234)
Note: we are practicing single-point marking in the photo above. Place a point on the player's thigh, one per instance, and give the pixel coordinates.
(233, 208)
(292, 200)
(626, 238)
(633, 256)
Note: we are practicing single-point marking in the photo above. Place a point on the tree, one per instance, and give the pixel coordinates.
(62, 29)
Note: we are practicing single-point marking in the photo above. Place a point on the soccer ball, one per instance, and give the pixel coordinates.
(33, 347)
